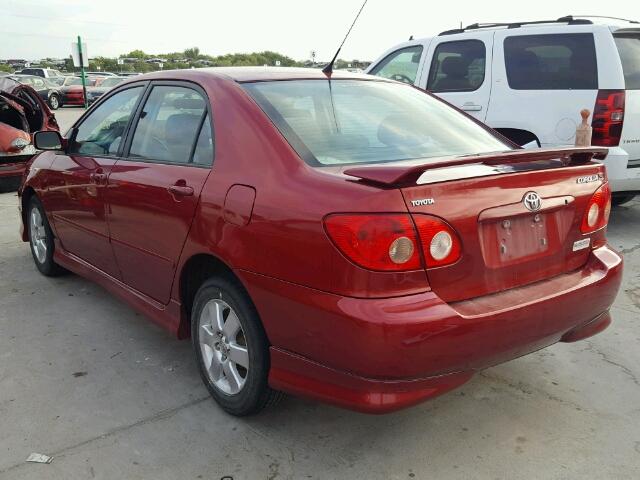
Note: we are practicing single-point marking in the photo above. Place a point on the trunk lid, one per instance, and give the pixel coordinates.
(504, 244)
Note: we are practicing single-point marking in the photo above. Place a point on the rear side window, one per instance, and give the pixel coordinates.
(401, 65)
(168, 125)
(629, 49)
(457, 66)
(203, 154)
(551, 62)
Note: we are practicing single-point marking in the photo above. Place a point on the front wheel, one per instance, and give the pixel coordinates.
(231, 348)
(54, 102)
(41, 239)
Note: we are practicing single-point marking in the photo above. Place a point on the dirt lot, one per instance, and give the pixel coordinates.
(109, 395)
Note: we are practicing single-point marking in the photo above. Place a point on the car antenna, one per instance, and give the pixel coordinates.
(328, 68)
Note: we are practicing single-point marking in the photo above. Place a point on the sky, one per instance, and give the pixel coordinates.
(34, 29)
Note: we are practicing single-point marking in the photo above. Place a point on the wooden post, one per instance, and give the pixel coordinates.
(583, 132)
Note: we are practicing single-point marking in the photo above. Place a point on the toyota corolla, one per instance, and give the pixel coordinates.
(345, 238)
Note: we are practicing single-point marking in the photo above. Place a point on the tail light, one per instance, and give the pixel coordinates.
(608, 117)
(384, 242)
(440, 243)
(598, 209)
(390, 242)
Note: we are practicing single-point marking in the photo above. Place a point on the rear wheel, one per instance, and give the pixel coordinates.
(41, 239)
(231, 348)
(621, 199)
(54, 101)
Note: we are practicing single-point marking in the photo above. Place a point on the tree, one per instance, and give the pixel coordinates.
(192, 53)
(136, 54)
(5, 68)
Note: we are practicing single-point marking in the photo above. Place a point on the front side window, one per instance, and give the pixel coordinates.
(401, 65)
(168, 125)
(551, 62)
(457, 66)
(345, 122)
(629, 49)
(101, 132)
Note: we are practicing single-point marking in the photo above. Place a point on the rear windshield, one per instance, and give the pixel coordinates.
(355, 121)
(629, 49)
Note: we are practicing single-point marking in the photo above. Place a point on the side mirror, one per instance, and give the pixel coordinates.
(47, 140)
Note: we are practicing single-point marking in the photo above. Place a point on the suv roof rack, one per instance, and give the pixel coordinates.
(569, 19)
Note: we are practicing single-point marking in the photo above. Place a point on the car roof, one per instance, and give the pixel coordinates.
(254, 74)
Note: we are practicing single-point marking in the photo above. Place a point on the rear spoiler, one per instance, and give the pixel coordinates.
(394, 175)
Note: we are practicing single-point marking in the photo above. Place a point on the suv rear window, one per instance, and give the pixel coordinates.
(551, 62)
(629, 49)
(342, 122)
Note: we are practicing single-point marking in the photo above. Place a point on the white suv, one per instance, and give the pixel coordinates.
(529, 80)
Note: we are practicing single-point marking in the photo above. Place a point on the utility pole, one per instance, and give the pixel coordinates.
(82, 76)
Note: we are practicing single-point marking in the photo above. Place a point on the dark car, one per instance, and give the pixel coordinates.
(351, 239)
(22, 113)
(48, 90)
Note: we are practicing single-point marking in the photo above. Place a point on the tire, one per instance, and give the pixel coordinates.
(41, 240)
(54, 101)
(220, 344)
(617, 200)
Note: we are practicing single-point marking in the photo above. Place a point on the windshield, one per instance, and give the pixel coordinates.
(629, 49)
(354, 121)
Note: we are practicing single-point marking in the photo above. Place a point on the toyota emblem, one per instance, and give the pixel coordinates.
(532, 201)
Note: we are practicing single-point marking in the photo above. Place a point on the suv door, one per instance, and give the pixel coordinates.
(543, 77)
(459, 71)
(78, 185)
(155, 188)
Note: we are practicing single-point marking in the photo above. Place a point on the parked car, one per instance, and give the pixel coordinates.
(102, 86)
(49, 73)
(357, 241)
(48, 90)
(71, 90)
(528, 80)
(22, 113)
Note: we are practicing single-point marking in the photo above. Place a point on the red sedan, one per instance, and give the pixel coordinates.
(352, 239)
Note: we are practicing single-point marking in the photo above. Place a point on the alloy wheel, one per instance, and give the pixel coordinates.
(38, 235)
(224, 347)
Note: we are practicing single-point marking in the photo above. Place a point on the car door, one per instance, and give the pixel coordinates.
(458, 71)
(154, 190)
(78, 184)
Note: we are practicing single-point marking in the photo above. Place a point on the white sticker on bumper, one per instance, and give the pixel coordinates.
(581, 244)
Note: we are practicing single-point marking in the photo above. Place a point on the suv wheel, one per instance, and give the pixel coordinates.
(231, 348)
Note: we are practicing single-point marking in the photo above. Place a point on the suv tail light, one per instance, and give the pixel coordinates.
(384, 242)
(440, 243)
(598, 209)
(608, 117)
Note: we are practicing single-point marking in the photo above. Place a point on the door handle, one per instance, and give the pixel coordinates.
(181, 190)
(471, 107)
(98, 178)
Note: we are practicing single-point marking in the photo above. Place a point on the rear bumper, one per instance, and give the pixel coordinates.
(13, 165)
(380, 355)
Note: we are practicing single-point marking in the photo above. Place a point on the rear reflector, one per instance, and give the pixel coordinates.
(608, 117)
(598, 209)
(440, 243)
(383, 242)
